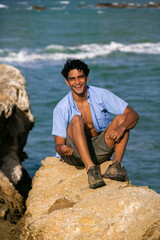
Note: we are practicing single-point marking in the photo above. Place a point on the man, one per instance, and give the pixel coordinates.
(83, 131)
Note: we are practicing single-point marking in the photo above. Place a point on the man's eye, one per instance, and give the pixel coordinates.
(82, 76)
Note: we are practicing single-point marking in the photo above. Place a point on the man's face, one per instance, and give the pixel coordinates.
(77, 81)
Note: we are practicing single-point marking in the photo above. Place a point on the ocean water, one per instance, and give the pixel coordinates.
(122, 48)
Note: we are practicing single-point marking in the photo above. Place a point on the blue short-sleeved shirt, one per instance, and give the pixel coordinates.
(102, 102)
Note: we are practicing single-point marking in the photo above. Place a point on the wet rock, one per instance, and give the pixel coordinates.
(38, 7)
(128, 5)
(61, 206)
(80, 6)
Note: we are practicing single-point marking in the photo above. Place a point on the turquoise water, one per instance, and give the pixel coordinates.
(122, 48)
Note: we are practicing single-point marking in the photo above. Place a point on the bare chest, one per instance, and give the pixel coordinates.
(86, 112)
(87, 117)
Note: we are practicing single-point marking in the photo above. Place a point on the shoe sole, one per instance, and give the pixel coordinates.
(97, 185)
(119, 177)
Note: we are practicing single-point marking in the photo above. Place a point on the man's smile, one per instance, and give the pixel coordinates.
(78, 87)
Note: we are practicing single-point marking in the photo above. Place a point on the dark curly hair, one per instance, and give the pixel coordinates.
(74, 64)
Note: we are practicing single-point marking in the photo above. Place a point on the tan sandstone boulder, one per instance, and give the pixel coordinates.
(60, 206)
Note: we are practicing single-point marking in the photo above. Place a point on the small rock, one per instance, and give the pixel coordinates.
(38, 7)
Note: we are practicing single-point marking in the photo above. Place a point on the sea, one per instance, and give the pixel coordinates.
(121, 47)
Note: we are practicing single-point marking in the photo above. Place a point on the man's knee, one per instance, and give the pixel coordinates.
(77, 121)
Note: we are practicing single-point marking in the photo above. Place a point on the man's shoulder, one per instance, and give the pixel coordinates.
(101, 94)
(64, 102)
(99, 90)
(96, 90)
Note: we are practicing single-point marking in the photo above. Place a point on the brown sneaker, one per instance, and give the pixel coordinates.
(116, 172)
(95, 179)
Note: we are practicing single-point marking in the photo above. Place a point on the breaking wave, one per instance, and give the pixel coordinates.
(3, 6)
(85, 51)
(64, 2)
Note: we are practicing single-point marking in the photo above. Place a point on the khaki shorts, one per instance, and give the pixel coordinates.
(98, 149)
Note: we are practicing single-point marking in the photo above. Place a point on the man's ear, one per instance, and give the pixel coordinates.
(87, 78)
(67, 82)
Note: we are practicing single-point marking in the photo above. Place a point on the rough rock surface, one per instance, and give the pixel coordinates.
(11, 202)
(11, 209)
(60, 206)
(16, 121)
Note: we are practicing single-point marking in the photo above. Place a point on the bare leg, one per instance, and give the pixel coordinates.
(120, 146)
(77, 134)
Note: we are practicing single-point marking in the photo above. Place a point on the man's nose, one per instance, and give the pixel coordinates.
(77, 80)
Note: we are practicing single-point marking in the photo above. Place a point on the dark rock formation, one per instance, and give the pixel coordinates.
(38, 7)
(128, 5)
(16, 121)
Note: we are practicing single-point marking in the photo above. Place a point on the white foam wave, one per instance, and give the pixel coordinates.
(53, 46)
(23, 3)
(100, 12)
(146, 48)
(57, 8)
(104, 49)
(3, 6)
(64, 2)
(30, 8)
(90, 51)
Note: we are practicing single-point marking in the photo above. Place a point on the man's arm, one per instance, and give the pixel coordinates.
(131, 118)
(61, 148)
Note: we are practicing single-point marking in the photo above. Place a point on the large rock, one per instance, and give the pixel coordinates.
(16, 121)
(61, 206)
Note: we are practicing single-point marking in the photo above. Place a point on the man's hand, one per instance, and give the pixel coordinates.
(115, 134)
(61, 148)
(120, 125)
(66, 151)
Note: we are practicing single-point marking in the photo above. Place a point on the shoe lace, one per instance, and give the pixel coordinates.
(119, 168)
(95, 174)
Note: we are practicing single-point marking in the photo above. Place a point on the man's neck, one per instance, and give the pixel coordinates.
(80, 98)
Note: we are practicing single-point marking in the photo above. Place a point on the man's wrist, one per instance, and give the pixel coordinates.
(124, 127)
(59, 149)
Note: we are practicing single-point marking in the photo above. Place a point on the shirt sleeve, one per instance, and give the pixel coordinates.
(59, 123)
(113, 103)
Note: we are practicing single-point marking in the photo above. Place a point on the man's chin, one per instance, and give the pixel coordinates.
(78, 92)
